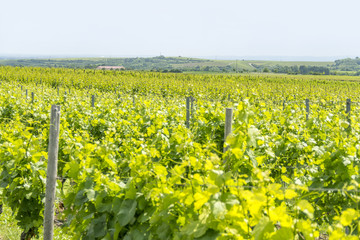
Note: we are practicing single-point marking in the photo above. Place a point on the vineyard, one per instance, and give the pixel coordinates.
(138, 161)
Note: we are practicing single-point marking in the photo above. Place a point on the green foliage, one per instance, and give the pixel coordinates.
(133, 170)
(348, 64)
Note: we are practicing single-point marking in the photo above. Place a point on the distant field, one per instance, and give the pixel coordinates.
(291, 63)
(248, 64)
(217, 63)
(156, 62)
(195, 65)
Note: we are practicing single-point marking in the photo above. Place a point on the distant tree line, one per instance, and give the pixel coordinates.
(295, 69)
(159, 63)
(347, 64)
(179, 64)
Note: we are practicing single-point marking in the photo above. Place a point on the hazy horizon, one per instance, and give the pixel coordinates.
(246, 58)
(273, 30)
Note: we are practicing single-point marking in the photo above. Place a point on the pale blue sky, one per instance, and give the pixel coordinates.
(186, 27)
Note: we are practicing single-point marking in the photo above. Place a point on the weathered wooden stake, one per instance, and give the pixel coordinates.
(188, 112)
(32, 97)
(51, 172)
(348, 105)
(192, 107)
(307, 103)
(92, 100)
(284, 105)
(26, 92)
(348, 110)
(228, 125)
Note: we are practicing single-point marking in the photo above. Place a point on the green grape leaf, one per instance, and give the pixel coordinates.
(126, 211)
(283, 234)
(263, 228)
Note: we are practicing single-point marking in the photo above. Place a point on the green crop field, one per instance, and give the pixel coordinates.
(149, 160)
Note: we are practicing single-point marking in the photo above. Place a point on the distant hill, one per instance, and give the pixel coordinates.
(348, 64)
(185, 64)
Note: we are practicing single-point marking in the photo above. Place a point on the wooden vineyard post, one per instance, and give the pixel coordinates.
(188, 112)
(26, 93)
(307, 103)
(228, 125)
(32, 97)
(134, 101)
(92, 100)
(283, 105)
(348, 110)
(51, 172)
(192, 107)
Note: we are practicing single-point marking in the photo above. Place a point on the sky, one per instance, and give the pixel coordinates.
(206, 28)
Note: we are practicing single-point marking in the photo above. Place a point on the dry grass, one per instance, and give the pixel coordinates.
(10, 231)
(8, 227)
